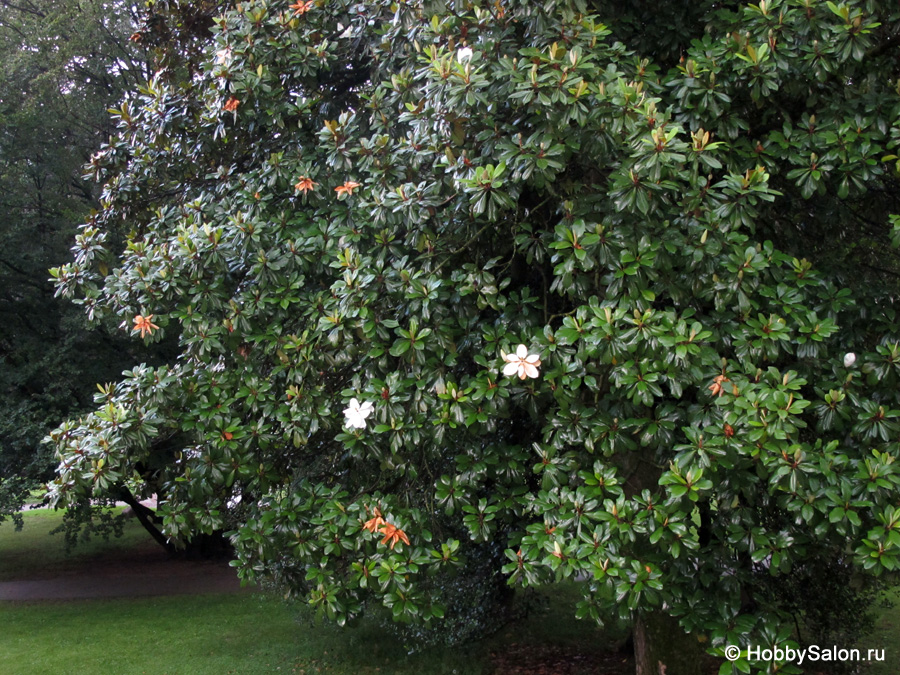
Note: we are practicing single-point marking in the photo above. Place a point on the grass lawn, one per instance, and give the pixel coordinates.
(886, 636)
(181, 634)
(243, 633)
(31, 553)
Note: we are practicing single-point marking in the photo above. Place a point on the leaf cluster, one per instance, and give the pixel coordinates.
(378, 200)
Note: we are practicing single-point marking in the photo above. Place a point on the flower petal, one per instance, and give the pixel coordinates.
(522, 351)
(530, 370)
(511, 368)
(534, 358)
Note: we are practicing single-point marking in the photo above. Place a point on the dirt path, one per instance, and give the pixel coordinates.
(141, 570)
(156, 575)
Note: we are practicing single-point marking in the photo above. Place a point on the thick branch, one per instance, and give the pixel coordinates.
(148, 518)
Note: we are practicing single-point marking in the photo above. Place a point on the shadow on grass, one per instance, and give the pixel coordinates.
(33, 553)
(250, 633)
(548, 641)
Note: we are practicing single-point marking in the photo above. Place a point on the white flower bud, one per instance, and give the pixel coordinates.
(849, 359)
(355, 415)
(463, 54)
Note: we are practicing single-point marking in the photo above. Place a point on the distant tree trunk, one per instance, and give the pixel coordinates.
(148, 518)
(661, 647)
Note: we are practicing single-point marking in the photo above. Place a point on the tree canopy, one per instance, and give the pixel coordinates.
(64, 65)
(515, 291)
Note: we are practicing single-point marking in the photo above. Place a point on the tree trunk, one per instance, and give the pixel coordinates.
(661, 647)
(148, 518)
(201, 546)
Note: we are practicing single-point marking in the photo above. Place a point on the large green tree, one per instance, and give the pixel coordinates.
(513, 292)
(64, 65)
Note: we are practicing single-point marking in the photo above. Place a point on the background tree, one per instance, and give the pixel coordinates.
(64, 65)
(500, 292)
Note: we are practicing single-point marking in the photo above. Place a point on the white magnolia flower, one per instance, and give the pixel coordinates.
(521, 363)
(355, 416)
(463, 54)
(223, 56)
(849, 359)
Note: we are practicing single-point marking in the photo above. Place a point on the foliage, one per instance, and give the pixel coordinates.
(64, 65)
(825, 596)
(381, 201)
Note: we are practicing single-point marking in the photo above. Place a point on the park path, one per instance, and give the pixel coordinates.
(146, 578)
(145, 571)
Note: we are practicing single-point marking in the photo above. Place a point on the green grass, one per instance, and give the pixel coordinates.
(886, 636)
(36, 496)
(34, 553)
(243, 633)
(181, 634)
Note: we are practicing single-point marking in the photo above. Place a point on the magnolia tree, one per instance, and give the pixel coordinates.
(512, 292)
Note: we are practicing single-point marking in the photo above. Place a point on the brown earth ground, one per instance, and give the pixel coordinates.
(143, 571)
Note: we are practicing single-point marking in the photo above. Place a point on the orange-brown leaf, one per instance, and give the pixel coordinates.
(300, 7)
(347, 188)
(716, 387)
(393, 534)
(305, 184)
(144, 325)
(373, 524)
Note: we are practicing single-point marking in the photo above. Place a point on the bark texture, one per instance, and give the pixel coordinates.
(661, 647)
